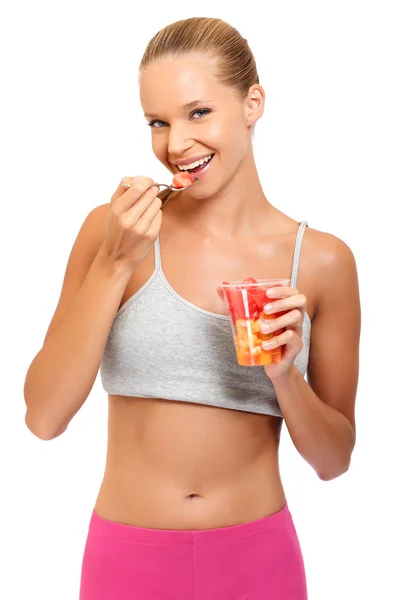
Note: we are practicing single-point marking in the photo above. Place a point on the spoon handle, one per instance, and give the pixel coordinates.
(173, 189)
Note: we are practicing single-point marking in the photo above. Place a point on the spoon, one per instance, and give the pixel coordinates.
(170, 187)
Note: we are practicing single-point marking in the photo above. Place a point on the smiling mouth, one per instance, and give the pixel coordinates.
(199, 172)
(198, 168)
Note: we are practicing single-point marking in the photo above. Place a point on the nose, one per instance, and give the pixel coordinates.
(179, 139)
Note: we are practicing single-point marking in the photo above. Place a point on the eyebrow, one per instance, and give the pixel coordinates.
(186, 106)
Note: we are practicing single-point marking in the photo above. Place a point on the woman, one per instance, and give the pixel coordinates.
(191, 505)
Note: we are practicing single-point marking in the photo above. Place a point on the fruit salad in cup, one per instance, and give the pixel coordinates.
(246, 300)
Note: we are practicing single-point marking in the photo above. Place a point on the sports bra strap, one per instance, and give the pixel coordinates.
(157, 254)
(296, 256)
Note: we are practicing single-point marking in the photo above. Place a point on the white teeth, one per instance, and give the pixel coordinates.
(196, 164)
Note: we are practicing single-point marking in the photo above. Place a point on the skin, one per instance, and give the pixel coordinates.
(177, 465)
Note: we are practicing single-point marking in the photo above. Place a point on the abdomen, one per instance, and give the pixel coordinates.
(178, 465)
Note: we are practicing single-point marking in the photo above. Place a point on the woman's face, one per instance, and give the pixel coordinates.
(218, 124)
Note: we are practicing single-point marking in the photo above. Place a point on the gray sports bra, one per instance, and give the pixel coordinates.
(149, 353)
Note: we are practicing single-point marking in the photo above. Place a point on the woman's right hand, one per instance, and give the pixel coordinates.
(133, 222)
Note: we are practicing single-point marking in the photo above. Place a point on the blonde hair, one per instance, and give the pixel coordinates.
(234, 64)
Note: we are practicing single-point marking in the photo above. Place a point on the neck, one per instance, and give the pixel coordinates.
(237, 209)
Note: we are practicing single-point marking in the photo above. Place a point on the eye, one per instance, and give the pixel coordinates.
(153, 124)
(204, 111)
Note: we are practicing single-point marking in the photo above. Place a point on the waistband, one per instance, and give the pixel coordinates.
(185, 536)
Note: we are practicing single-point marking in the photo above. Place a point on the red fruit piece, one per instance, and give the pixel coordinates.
(256, 296)
(235, 302)
(183, 179)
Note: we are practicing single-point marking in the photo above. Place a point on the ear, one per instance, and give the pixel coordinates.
(254, 104)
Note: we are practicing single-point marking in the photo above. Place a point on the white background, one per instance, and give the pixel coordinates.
(327, 149)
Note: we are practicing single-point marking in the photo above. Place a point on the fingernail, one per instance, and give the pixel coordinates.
(267, 345)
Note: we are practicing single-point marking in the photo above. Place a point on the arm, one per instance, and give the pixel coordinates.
(320, 414)
(62, 374)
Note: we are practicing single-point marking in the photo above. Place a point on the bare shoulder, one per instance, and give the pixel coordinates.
(93, 229)
(97, 219)
(91, 234)
(331, 262)
(327, 247)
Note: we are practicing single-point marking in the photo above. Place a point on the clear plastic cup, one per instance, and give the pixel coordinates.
(246, 300)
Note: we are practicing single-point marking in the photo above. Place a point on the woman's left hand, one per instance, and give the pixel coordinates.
(284, 298)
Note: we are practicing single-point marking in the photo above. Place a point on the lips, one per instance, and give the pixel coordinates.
(201, 171)
(188, 161)
(198, 168)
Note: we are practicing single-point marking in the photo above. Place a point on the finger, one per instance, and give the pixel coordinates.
(220, 293)
(287, 337)
(296, 301)
(155, 225)
(281, 291)
(121, 189)
(138, 209)
(146, 219)
(294, 318)
(123, 198)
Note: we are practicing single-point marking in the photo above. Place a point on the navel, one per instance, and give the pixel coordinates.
(192, 496)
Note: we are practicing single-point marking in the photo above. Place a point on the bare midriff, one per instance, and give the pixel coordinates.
(179, 465)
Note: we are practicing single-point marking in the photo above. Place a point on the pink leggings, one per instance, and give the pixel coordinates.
(259, 560)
